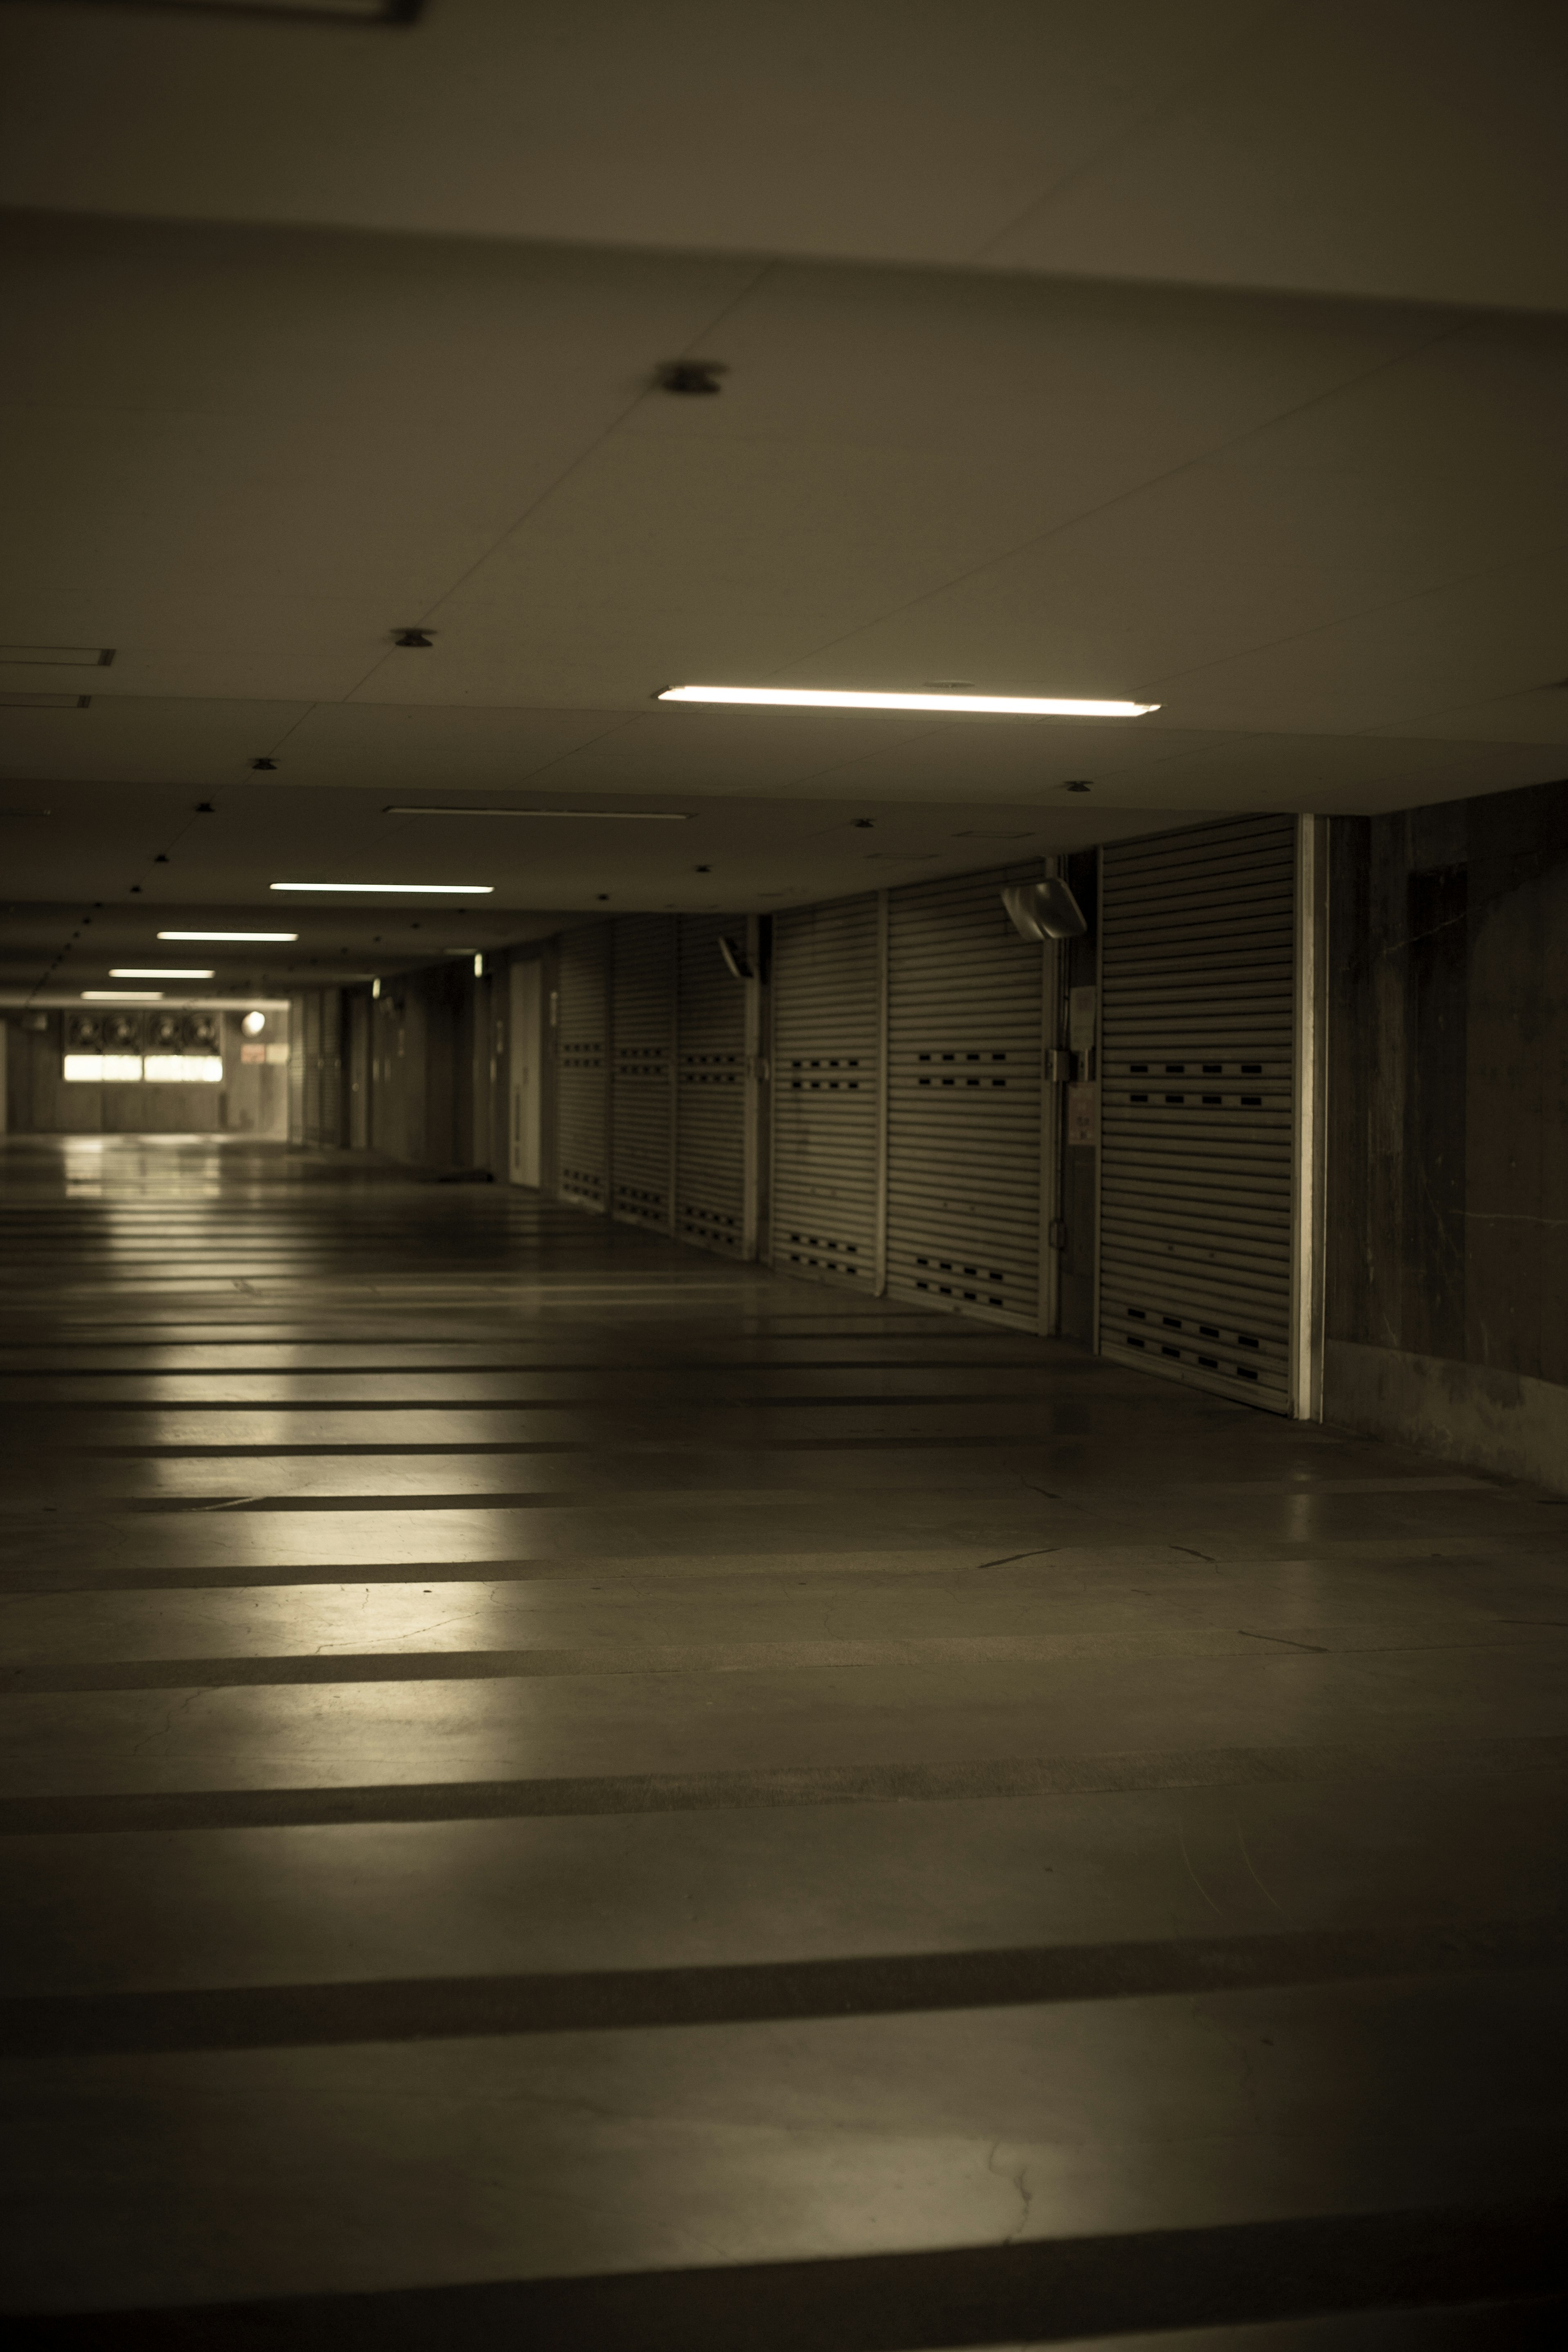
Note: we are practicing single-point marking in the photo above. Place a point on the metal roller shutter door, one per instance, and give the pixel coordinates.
(581, 1018)
(643, 1001)
(710, 1090)
(826, 1019)
(963, 1100)
(1197, 1108)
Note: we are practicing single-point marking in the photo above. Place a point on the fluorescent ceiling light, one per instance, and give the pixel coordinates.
(637, 816)
(812, 698)
(228, 935)
(138, 971)
(422, 889)
(122, 995)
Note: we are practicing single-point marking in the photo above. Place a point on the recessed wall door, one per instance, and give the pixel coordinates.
(827, 1093)
(524, 1057)
(1197, 1106)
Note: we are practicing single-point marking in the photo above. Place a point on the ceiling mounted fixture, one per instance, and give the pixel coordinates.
(57, 656)
(46, 702)
(636, 816)
(419, 889)
(138, 971)
(1078, 786)
(122, 996)
(228, 935)
(689, 377)
(413, 641)
(1005, 706)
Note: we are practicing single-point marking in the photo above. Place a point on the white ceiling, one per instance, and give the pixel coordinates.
(1209, 356)
(1410, 149)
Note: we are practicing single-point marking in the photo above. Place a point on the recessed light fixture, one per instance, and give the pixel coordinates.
(812, 698)
(419, 889)
(122, 996)
(637, 816)
(228, 935)
(138, 971)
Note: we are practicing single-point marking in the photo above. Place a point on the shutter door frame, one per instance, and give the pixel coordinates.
(1201, 1027)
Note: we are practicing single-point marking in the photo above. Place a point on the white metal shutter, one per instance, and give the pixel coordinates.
(963, 1100)
(643, 997)
(710, 1090)
(1197, 1063)
(582, 1017)
(826, 1019)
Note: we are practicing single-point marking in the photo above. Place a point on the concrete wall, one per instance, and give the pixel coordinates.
(1447, 1309)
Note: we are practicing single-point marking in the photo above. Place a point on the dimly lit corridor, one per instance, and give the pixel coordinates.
(784, 1176)
(552, 1770)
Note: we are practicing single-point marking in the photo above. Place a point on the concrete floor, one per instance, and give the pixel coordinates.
(561, 1792)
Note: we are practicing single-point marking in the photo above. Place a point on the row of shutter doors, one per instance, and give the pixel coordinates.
(933, 981)
(651, 1077)
(907, 1033)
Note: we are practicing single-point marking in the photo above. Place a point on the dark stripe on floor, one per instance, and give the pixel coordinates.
(256, 2017)
(1045, 2292)
(851, 1784)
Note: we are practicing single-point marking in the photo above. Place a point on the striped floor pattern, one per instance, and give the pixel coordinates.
(561, 1792)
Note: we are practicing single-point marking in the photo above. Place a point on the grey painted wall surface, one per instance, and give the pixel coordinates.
(1447, 1207)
